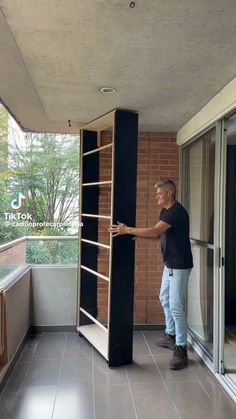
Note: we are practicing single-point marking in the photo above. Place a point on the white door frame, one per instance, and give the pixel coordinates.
(219, 239)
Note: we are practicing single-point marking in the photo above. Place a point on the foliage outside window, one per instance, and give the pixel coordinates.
(41, 171)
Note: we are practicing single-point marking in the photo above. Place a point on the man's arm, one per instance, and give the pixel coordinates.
(146, 232)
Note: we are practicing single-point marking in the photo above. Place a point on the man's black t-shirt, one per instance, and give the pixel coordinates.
(175, 243)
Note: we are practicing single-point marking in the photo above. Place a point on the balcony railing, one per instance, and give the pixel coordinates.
(37, 250)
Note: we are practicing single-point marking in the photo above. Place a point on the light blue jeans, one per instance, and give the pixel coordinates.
(173, 297)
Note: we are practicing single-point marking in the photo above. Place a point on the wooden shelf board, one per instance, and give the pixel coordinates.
(107, 217)
(105, 122)
(95, 273)
(96, 150)
(106, 182)
(96, 336)
(105, 246)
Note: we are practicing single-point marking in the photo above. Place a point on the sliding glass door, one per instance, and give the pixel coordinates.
(198, 198)
(209, 195)
(229, 288)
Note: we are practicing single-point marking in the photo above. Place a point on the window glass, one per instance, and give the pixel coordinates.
(199, 191)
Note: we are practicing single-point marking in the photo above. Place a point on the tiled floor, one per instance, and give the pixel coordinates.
(60, 376)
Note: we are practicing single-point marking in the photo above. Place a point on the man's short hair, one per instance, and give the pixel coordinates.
(168, 184)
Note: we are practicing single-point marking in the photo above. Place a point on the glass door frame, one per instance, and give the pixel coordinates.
(222, 239)
(219, 350)
(217, 361)
(219, 258)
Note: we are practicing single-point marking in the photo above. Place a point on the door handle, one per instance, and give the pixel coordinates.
(220, 259)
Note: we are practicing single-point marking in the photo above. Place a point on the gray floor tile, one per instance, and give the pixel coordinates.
(152, 401)
(34, 337)
(31, 403)
(201, 371)
(17, 377)
(29, 350)
(103, 375)
(31, 389)
(185, 374)
(74, 402)
(220, 399)
(53, 335)
(49, 349)
(151, 338)
(143, 370)
(73, 335)
(8, 404)
(193, 355)
(78, 348)
(113, 402)
(192, 401)
(139, 344)
(76, 371)
(42, 372)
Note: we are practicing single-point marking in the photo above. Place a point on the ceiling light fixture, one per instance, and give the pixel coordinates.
(107, 90)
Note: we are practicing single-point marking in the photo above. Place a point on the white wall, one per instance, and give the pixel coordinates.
(53, 295)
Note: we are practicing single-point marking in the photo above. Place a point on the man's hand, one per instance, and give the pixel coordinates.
(143, 232)
(118, 229)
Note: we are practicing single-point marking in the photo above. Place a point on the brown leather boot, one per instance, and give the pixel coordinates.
(180, 358)
(168, 341)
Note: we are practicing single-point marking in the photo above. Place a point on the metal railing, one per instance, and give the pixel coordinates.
(61, 250)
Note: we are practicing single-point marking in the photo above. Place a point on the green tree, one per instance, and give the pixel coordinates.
(45, 168)
(3, 140)
(55, 251)
(4, 232)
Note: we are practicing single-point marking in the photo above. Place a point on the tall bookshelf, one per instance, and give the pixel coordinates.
(106, 263)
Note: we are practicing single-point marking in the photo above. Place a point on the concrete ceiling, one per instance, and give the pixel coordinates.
(165, 58)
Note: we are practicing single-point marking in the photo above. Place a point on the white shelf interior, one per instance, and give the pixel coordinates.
(102, 123)
(97, 336)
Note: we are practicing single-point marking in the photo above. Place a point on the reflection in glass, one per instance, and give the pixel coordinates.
(199, 175)
(200, 296)
(199, 194)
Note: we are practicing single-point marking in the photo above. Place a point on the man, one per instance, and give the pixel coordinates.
(173, 231)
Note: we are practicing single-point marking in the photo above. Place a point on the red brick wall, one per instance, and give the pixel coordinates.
(105, 167)
(157, 160)
(13, 256)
